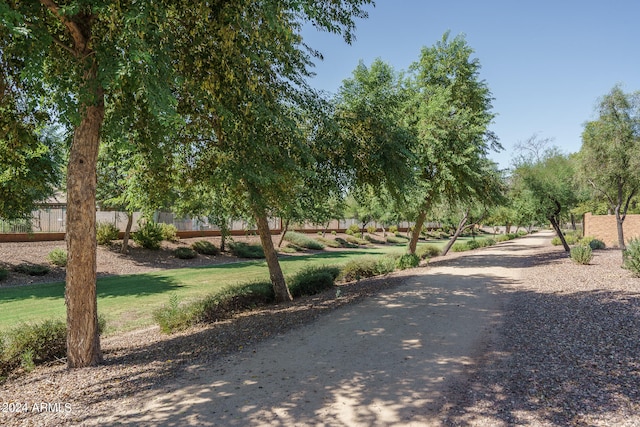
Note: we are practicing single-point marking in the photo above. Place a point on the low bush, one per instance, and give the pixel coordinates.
(396, 239)
(303, 240)
(176, 316)
(332, 243)
(371, 229)
(344, 244)
(593, 243)
(106, 233)
(185, 253)
(149, 235)
(505, 237)
(393, 229)
(353, 230)
(356, 240)
(27, 345)
(428, 251)
(459, 247)
(365, 267)
(489, 241)
(58, 257)
(581, 254)
(169, 232)
(369, 238)
(313, 280)
(4, 273)
(556, 241)
(473, 244)
(407, 261)
(205, 247)
(571, 238)
(245, 250)
(32, 269)
(632, 257)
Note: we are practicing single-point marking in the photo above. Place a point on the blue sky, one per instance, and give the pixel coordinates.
(546, 62)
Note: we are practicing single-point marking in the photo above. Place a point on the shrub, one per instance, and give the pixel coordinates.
(473, 244)
(332, 243)
(175, 317)
(371, 229)
(303, 240)
(185, 253)
(593, 243)
(334, 232)
(245, 250)
(632, 257)
(571, 238)
(372, 239)
(505, 237)
(581, 254)
(487, 242)
(27, 345)
(353, 230)
(58, 257)
(396, 239)
(428, 251)
(313, 280)
(344, 244)
(205, 247)
(407, 261)
(367, 267)
(106, 232)
(393, 229)
(556, 241)
(4, 273)
(32, 269)
(459, 247)
(356, 240)
(169, 232)
(149, 235)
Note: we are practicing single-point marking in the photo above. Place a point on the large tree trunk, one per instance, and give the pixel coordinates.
(83, 340)
(415, 235)
(275, 272)
(127, 233)
(455, 236)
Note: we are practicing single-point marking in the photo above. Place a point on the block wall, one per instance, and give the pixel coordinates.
(604, 227)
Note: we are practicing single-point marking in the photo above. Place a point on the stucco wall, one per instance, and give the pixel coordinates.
(603, 227)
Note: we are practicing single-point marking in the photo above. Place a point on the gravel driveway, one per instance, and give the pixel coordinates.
(514, 334)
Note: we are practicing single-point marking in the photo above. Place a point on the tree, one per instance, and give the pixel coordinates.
(548, 180)
(610, 153)
(450, 115)
(83, 55)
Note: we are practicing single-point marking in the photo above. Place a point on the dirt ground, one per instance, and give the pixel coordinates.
(515, 334)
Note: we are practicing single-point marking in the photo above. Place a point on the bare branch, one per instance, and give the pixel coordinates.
(595, 187)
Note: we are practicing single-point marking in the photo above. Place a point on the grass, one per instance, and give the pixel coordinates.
(128, 302)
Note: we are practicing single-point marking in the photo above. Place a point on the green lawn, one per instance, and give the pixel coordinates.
(127, 302)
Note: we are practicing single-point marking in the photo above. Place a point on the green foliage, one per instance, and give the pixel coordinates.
(407, 261)
(459, 247)
(176, 316)
(372, 239)
(32, 269)
(245, 250)
(353, 230)
(345, 244)
(332, 243)
(367, 267)
(149, 235)
(169, 232)
(428, 251)
(595, 244)
(185, 253)
(58, 257)
(371, 229)
(303, 240)
(30, 344)
(205, 247)
(356, 240)
(581, 254)
(396, 239)
(393, 229)
(473, 244)
(106, 232)
(632, 257)
(313, 280)
(4, 273)
(556, 241)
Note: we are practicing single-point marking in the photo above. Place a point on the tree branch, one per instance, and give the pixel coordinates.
(79, 39)
(600, 191)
